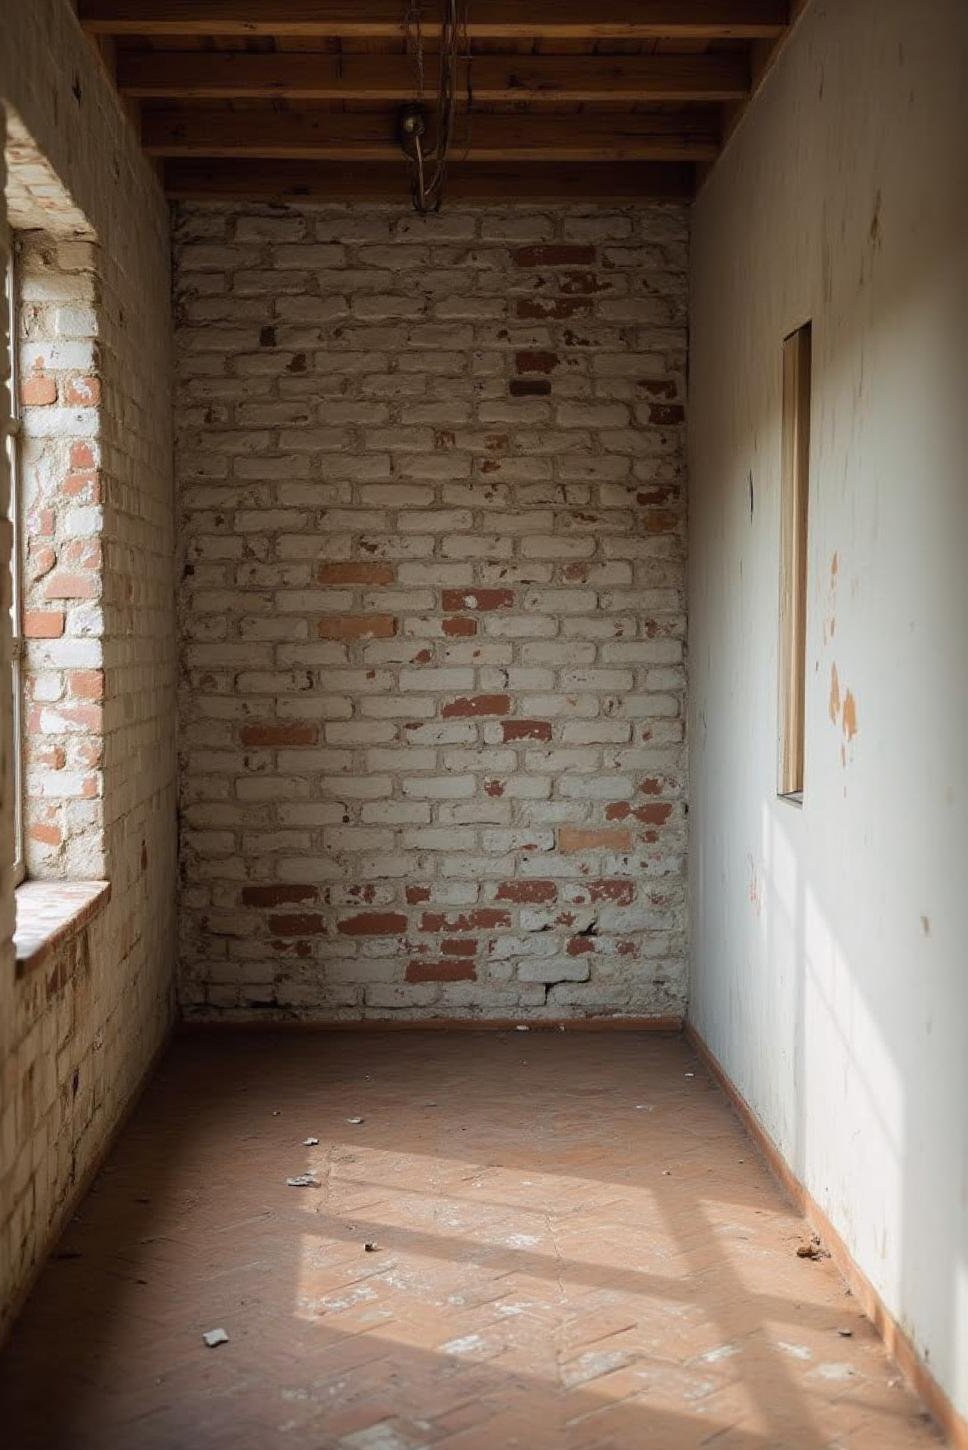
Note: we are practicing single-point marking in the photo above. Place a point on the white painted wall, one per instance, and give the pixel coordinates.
(830, 965)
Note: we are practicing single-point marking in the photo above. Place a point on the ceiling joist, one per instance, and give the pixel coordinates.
(489, 19)
(319, 135)
(624, 80)
(336, 182)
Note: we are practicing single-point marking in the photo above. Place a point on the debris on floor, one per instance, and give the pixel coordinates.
(370, 1247)
(845, 1333)
(303, 1180)
(354, 1121)
(521, 1028)
(812, 1250)
(310, 1142)
(213, 1337)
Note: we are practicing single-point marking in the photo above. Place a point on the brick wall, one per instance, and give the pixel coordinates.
(78, 1032)
(430, 475)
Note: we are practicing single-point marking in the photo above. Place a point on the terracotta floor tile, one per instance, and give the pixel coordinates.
(577, 1249)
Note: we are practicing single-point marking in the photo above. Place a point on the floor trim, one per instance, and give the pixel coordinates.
(671, 1026)
(896, 1341)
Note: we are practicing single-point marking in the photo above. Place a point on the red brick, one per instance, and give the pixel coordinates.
(278, 735)
(86, 684)
(621, 892)
(666, 414)
(459, 947)
(529, 387)
(580, 946)
(483, 918)
(373, 923)
(357, 626)
(575, 838)
(659, 521)
(442, 971)
(307, 923)
(355, 573)
(45, 835)
(459, 626)
(534, 893)
(554, 254)
(526, 730)
(277, 895)
(536, 362)
(38, 392)
(477, 600)
(82, 456)
(476, 705)
(83, 392)
(43, 623)
(62, 584)
(417, 894)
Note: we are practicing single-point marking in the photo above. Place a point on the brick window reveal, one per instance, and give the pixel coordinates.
(63, 677)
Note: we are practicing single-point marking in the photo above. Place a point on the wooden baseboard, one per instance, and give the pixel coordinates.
(670, 1026)
(82, 1187)
(896, 1341)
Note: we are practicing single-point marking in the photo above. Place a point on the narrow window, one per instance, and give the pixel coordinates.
(12, 441)
(794, 490)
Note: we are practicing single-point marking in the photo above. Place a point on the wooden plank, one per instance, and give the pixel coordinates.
(324, 135)
(641, 19)
(381, 181)
(206, 75)
(794, 495)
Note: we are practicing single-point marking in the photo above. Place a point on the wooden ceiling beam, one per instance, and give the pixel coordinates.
(563, 19)
(627, 80)
(321, 135)
(297, 181)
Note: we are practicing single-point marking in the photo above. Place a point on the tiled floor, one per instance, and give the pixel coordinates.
(576, 1247)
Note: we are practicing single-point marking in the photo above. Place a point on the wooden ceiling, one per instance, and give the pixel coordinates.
(569, 99)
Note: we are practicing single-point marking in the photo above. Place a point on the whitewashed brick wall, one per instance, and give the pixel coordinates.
(432, 525)
(78, 1031)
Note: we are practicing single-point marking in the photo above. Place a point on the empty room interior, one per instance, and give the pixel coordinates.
(483, 700)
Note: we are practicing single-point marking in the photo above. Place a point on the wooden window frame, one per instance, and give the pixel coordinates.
(13, 437)
(794, 518)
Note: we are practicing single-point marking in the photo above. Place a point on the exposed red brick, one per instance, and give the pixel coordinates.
(86, 684)
(494, 788)
(536, 893)
(38, 392)
(536, 362)
(62, 584)
(45, 835)
(526, 730)
(277, 895)
(307, 923)
(442, 971)
(477, 600)
(355, 573)
(483, 918)
(43, 623)
(459, 626)
(576, 838)
(621, 892)
(272, 735)
(580, 946)
(476, 705)
(529, 387)
(459, 947)
(655, 814)
(373, 923)
(83, 392)
(82, 456)
(417, 894)
(357, 626)
(666, 414)
(554, 254)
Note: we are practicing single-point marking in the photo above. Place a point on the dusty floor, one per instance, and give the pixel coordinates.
(576, 1247)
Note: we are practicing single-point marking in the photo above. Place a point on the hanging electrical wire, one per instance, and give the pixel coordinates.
(427, 157)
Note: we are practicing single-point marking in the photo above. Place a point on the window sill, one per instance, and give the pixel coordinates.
(49, 913)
